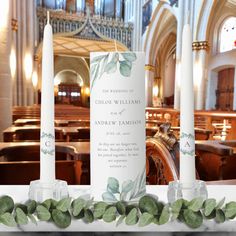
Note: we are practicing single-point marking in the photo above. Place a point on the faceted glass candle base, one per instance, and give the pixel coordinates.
(176, 191)
(56, 190)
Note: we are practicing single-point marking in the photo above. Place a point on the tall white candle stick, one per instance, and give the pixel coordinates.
(47, 186)
(47, 136)
(187, 136)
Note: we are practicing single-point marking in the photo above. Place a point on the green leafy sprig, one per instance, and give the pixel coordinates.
(109, 62)
(149, 210)
(127, 191)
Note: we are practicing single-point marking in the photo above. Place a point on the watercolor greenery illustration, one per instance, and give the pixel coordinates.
(147, 210)
(129, 190)
(187, 136)
(108, 63)
(48, 150)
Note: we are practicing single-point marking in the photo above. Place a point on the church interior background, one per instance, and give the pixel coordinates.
(152, 26)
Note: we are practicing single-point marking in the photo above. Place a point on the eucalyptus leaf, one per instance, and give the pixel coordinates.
(88, 216)
(47, 203)
(32, 219)
(211, 216)
(94, 75)
(155, 220)
(6, 204)
(31, 206)
(220, 216)
(61, 219)
(132, 217)
(230, 210)
(53, 204)
(185, 204)
(21, 217)
(181, 216)
(139, 188)
(99, 209)
(176, 207)
(111, 67)
(196, 204)
(165, 215)
(129, 208)
(43, 213)
(115, 57)
(113, 185)
(221, 203)
(125, 68)
(8, 219)
(145, 219)
(120, 220)
(123, 196)
(148, 204)
(101, 67)
(64, 204)
(97, 59)
(109, 197)
(77, 206)
(80, 215)
(127, 186)
(89, 203)
(160, 206)
(120, 206)
(110, 214)
(193, 219)
(130, 56)
(209, 206)
(23, 207)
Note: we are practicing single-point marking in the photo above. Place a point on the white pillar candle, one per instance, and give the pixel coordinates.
(47, 135)
(117, 121)
(187, 137)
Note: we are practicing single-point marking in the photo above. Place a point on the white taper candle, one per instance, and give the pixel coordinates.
(47, 135)
(187, 136)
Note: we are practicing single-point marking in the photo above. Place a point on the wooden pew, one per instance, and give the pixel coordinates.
(32, 153)
(61, 112)
(160, 165)
(220, 123)
(32, 133)
(18, 172)
(29, 134)
(216, 160)
(29, 152)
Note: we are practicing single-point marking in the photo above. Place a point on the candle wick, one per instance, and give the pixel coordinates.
(48, 17)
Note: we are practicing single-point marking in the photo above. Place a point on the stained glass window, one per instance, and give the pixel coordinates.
(228, 35)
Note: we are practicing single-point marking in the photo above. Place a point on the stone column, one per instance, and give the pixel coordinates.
(5, 73)
(14, 27)
(30, 46)
(149, 77)
(200, 50)
(178, 54)
(234, 101)
(137, 33)
(21, 90)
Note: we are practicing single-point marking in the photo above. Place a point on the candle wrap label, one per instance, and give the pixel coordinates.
(187, 144)
(117, 123)
(47, 144)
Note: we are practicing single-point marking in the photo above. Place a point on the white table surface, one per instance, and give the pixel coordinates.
(20, 195)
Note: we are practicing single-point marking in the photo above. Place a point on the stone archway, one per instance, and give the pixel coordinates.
(212, 15)
(162, 27)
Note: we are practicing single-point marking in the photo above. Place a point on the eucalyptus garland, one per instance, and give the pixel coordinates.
(149, 210)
